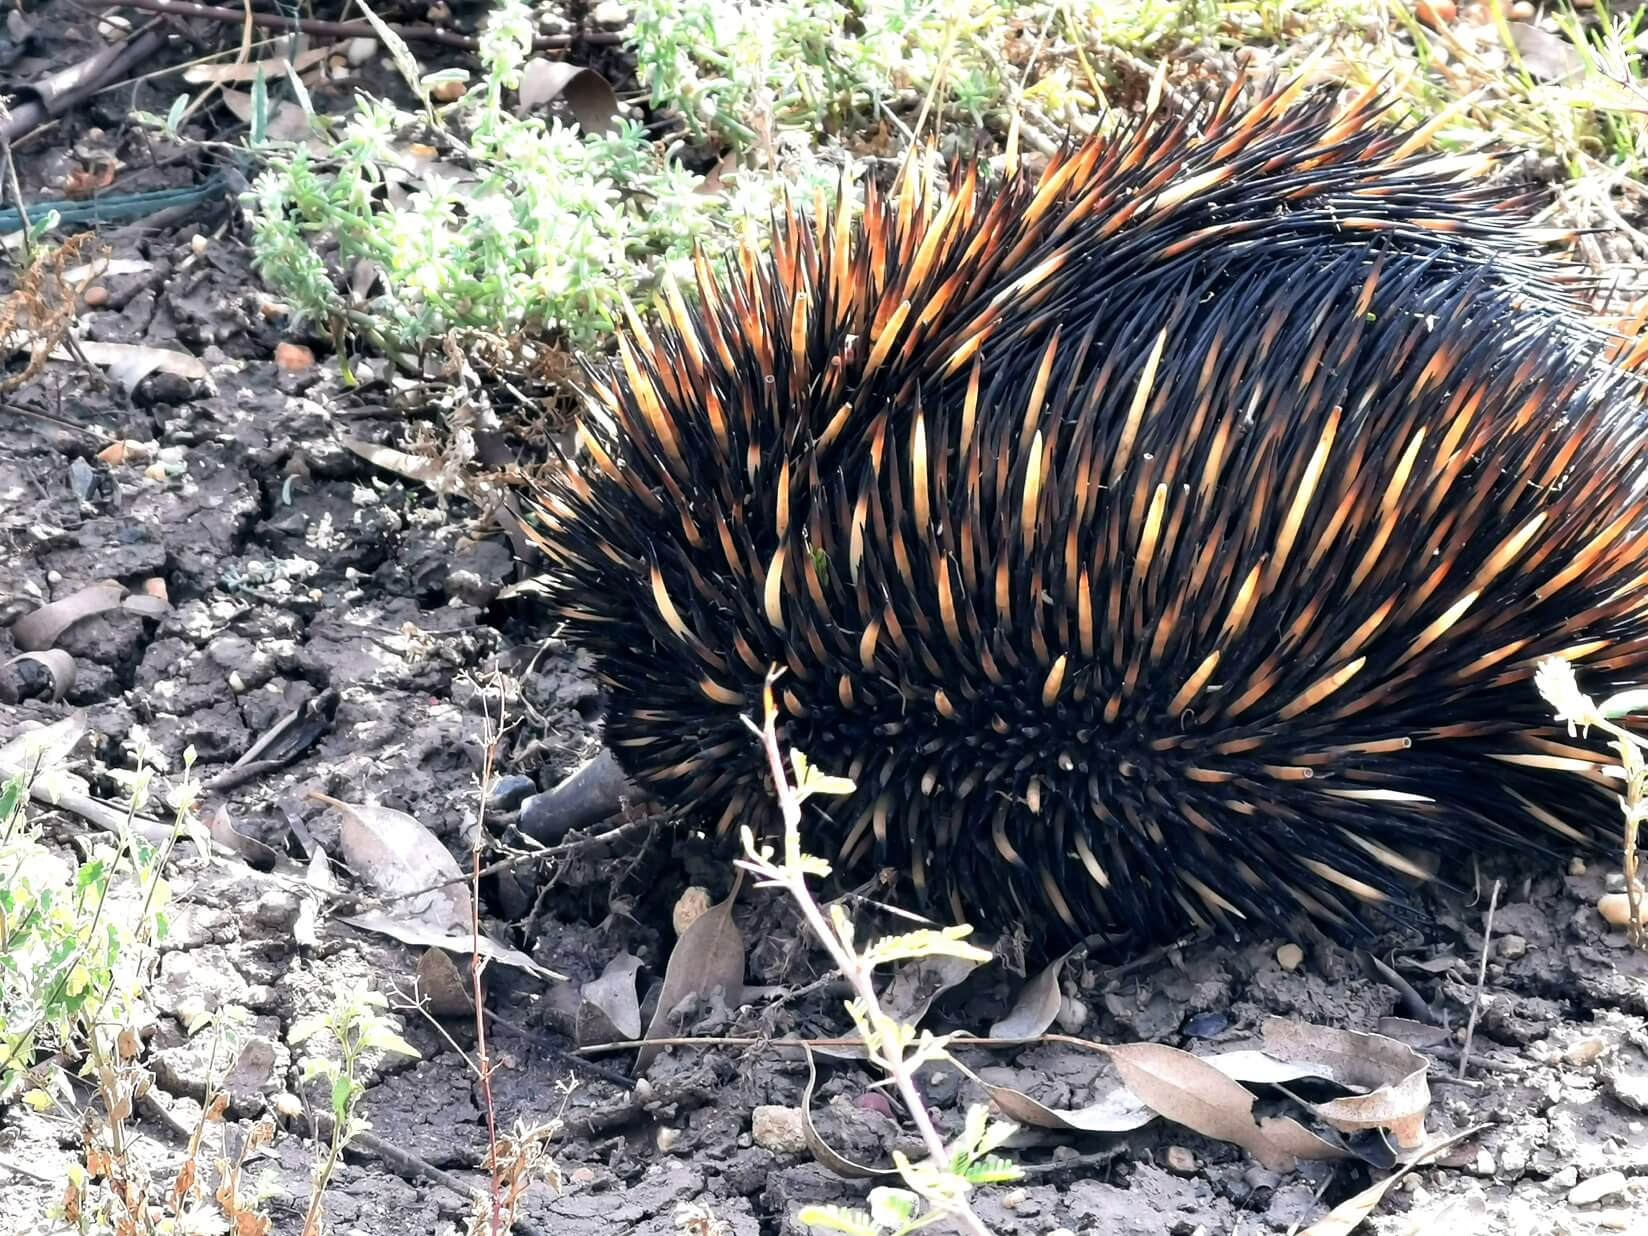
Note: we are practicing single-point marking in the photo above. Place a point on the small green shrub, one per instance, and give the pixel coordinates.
(75, 939)
(482, 221)
(811, 65)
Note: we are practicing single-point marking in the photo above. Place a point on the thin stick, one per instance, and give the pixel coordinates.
(351, 29)
(1481, 978)
(477, 967)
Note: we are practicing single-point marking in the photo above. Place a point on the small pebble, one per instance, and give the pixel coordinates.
(1289, 956)
(666, 1138)
(610, 13)
(1014, 1198)
(1615, 1220)
(1512, 946)
(1615, 909)
(359, 51)
(1597, 1188)
(448, 90)
(199, 244)
(874, 1101)
(155, 587)
(1576, 866)
(778, 1129)
(1437, 14)
(1585, 1050)
(690, 908)
(439, 12)
(293, 357)
(1484, 1165)
(95, 296)
(582, 1175)
(1514, 1159)
(1180, 1161)
(1072, 1015)
(155, 472)
(1566, 1178)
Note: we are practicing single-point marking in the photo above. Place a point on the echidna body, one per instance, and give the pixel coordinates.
(1164, 540)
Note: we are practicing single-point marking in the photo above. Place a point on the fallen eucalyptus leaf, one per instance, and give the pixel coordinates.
(1348, 1214)
(589, 96)
(708, 958)
(1189, 1091)
(1395, 1074)
(46, 748)
(443, 989)
(421, 935)
(395, 855)
(823, 1152)
(59, 666)
(1037, 1005)
(609, 1010)
(273, 67)
(42, 628)
(129, 363)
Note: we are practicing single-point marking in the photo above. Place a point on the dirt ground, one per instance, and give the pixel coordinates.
(295, 571)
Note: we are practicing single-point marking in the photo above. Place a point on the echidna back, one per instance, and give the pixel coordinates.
(1165, 540)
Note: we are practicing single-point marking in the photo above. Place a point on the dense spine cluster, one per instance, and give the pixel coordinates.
(1164, 539)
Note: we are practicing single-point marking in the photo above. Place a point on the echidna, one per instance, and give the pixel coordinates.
(1163, 540)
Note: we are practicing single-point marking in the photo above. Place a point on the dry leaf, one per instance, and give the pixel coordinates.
(40, 629)
(1348, 1214)
(44, 748)
(589, 96)
(273, 68)
(394, 855)
(1190, 1091)
(58, 664)
(823, 1152)
(1036, 1007)
(445, 991)
(1399, 1089)
(102, 268)
(221, 828)
(420, 935)
(708, 958)
(1548, 57)
(1117, 1111)
(910, 993)
(609, 1010)
(129, 363)
(287, 121)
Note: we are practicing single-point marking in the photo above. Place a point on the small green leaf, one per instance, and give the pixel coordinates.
(992, 1171)
(343, 1089)
(382, 1038)
(174, 116)
(260, 109)
(305, 1028)
(11, 798)
(38, 1100)
(837, 1219)
(892, 1207)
